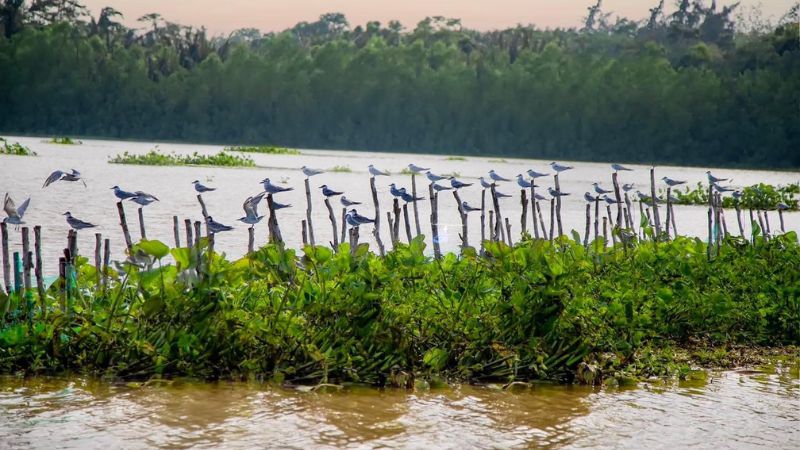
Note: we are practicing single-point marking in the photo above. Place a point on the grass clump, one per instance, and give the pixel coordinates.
(537, 310)
(456, 158)
(64, 140)
(343, 169)
(267, 149)
(156, 158)
(15, 149)
(759, 196)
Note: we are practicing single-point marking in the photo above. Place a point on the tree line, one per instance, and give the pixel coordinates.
(685, 86)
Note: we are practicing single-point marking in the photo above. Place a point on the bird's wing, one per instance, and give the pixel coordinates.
(75, 173)
(23, 207)
(9, 207)
(55, 176)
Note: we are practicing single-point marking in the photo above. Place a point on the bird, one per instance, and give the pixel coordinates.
(274, 189)
(433, 177)
(216, 227)
(309, 172)
(465, 206)
(328, 192)
(556, 193)
(359, 218)
(589, 197)
(496, 177)
(485, 184)
(722, 189)
(347, 203)
(646, 198)
(151, 197)
(408, 198)
(627, 187)
(122, 195)
(200, 188)
(599, 189)
(783, 206)
(352, 220)
(713, 179)
(143, 200)
(618, 168)
(416, 169)
(539, 197)
(458, 184)
(737, 195)
(59, 175)
(395, 191)
(522, 182)
(440, 188)
(501, 195)
(534, 174)
(250, 205)
(559, 168)
(15, 214)
(670, 182)
(376, 172)
(250, 220)
(76, 223)
(609, 200)
(276, 206)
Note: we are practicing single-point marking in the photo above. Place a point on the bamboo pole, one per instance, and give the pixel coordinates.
(142, 231)
(414, 193)
(189, 238)
(124, 224)
(376, 231)
(6, 261)
(332, 218)
(309, 223)
(304, 226)
(534, 209)
(656, 215)
(464, 230)
(39, 272)
(523, 220)
(251, 240)
(618, 197)
(434, 198)
(176, 231)
(558, 208)
(406, 222)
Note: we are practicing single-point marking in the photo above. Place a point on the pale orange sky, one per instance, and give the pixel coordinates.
(223, 16)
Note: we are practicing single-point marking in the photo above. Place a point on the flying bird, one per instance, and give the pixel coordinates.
(77, 224)
(59, 175)
(14, 213)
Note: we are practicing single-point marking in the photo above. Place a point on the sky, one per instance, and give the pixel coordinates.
(222, 17)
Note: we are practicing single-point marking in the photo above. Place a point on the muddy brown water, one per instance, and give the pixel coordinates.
(749, 409)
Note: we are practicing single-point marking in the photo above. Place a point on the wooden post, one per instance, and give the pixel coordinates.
(124, 224)
(464, 235)
(305, 231)
(396, 220)
(656, 215)
(26, 259)
(752, 223)
(710, 233)
(37, 246)
(407, 225)
(669, 209)
(73, 248)
(434, 197)
(106, 261)
(142, 231)
(631, 225)
(204, 211)
(641, 217)
(98, 248)
(766, 220)
(343, 235)
(414, 193)
(251, 240)
(189, 239)
(353, 240)
(596, 217)
(739, 218)
(523, 220)
(492, 227)
(275, 230)
(558, 207)
(618, 197)
(613, 225)
(391, 228)
(498, 218)
(780, 216)
(508, 233)
(674, 227)
(6, 261)
(483, 219)
(17, 273)
(717, 224)
(197, 235)
(588, 224)
(541, 219)
(626, 215)
(62, 275)
(333, 223)
(552, 215)
(534, 209)
(605, 231)
(176, 231)
(376, 231)
(761, 223)
(308, 214)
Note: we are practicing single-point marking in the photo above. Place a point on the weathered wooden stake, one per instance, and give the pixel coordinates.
(251, 240)
(407, 225)
(483, 220)
(710, 232)
(275, 230)
(124, 224)
(541, 219)
(98, 248)
(332, 218)
(508, 232)
(588, 225)
(6, 261)
(308, 214)
(534, 209)
(618, 197)
(766, 220)
(391, 228)
(761, 223)
(27, 263)
(498, 218)
(613, 225)
(632, 225)
(464, 235)
(189, 238)
(39, 271)
(780, 216)
(492, 228)
(523, 220)
(739, 218)
(106, 261)
(305, 231)
(197, 235)
(669, 209)
(396, 220)
(343, 235)
(552, 215)
(17, 273)
(434, 198)
(176, 231)
(596, 217)
(376, 231)
(204, 211)
(414, 193)
(674, 227)
(142, 231)
(605, 231)
(558, 208)
(653, 199)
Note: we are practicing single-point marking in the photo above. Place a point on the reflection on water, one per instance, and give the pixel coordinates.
(732, 410)
(23, 176)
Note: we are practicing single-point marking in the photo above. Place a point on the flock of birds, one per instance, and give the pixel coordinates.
(15, 213)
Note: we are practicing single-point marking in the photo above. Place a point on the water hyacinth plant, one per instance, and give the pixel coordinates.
(157, 158)
(268, 149)
(760, 196)
(538, 310)
(64, 141)
(15, 149)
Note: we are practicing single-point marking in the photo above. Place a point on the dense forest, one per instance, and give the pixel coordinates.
(688, 84)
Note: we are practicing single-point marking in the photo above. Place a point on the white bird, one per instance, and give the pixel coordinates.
(433, 177)
(609, 200)
(522, 182)
(359, 218)
(534, 174)
(14, 213)
(347, 202)
(416, 169)
(77, 224)
(556, 193)
(250, 220)
(713, 179)
(496, 177)
(618, 168)
(59, 175)
(309, 172)
(440, 188)
(485, 184)
(122, 195)
(600, 190)
(375, 172)
(670, 182)
(589, 197)
(200, 188)
(627, 187)
(559, 168)
(468, 208)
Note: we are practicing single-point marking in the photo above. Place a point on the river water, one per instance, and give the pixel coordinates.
(727, 410)
(23, 176)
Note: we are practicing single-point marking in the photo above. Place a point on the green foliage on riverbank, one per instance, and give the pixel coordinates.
(156, 158)
(264, 149)
(16, 149)
(760, 196)
(539, 310)
(687, 85)
(64, 141)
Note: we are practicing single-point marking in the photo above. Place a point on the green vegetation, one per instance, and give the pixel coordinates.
(340, 169)
(456, 158)
(156, 158)
(759, 196)
(540, 310)
(15, 149)
(64, 141)
(686, 85)
(265, 149)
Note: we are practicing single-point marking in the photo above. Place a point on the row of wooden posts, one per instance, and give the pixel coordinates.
(499, 229)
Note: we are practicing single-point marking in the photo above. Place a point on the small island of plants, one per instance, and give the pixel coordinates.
(64, 140)
(157, 158)
(267, 149)
(760, 196)
(16, 149)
